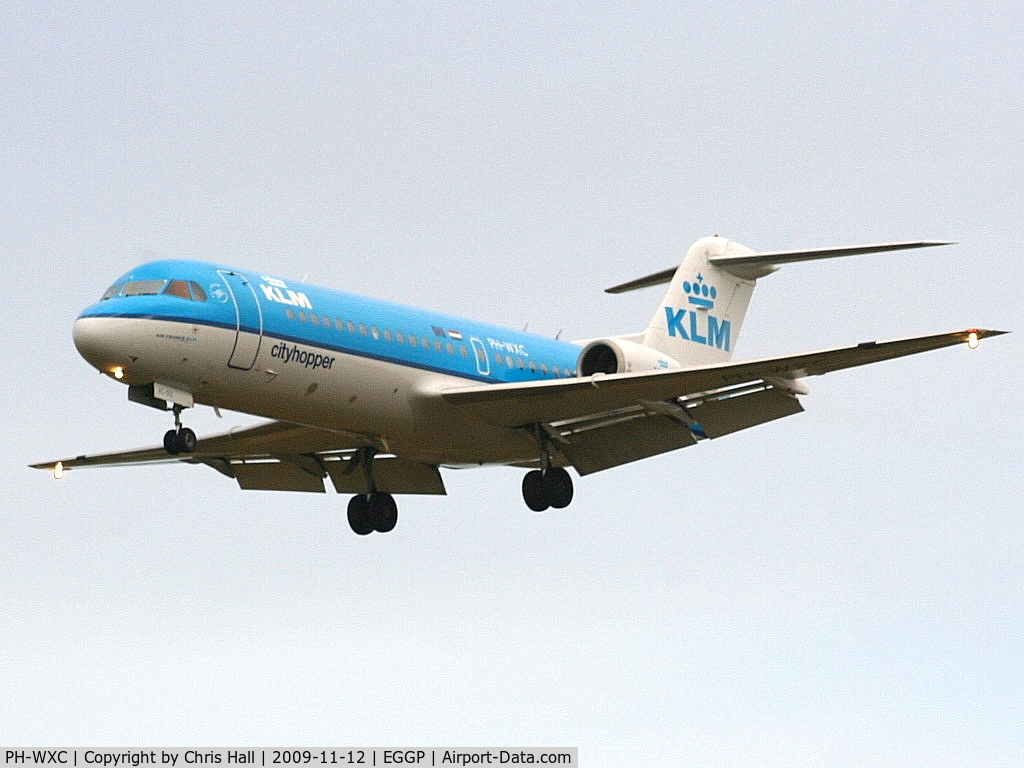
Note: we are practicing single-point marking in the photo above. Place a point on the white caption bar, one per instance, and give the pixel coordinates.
(286, 758)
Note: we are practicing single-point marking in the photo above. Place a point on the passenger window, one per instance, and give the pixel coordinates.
(362, 330)
(338, 325)
(302, 316)
(351, 326)
(533, 367)
(387, 335)
(463, 350)
(425, 343)
(290, 313)
(198, 294)
(374, 332)
(520, 364)
(544, 368)
(437, 345)
(400, 338)
(412, 340)
(497, 358)
(314, 318)
(451, 348)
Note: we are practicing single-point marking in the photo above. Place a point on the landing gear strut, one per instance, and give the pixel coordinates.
(548, 486)
(373, 510)
(180, 439)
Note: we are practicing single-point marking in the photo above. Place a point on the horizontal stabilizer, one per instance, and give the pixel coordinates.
(762, 263)
(774, 258)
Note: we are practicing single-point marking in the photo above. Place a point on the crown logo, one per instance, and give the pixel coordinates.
(699, 293)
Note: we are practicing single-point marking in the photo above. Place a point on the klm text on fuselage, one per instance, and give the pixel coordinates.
(712, 331)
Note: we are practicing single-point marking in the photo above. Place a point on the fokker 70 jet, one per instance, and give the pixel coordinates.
(377, 396)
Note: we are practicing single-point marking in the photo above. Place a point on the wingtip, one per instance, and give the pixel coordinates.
(973, 336)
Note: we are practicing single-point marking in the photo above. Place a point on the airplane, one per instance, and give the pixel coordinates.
(378, 397)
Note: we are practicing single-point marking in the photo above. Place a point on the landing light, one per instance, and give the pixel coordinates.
(58, 471)
(118, 372)
(972, 340)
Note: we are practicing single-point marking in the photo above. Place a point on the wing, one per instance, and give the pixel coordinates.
(605, 420)
(278, 456)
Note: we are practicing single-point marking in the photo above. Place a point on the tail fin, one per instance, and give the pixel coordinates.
(702, 312)
(701, 315)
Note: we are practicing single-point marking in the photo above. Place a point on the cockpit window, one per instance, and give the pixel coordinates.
(189, 290)
(143, 287)
(112, 291)
(178, 288)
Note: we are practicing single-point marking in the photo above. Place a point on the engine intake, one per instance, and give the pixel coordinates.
(621, 356)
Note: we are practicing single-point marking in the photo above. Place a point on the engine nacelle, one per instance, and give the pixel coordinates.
(621, 356)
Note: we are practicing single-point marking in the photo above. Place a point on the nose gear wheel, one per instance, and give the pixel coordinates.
(180, 439)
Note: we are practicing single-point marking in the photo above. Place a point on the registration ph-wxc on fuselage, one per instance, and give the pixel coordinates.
(377, 397)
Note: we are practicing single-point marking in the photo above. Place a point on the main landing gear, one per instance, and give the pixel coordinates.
(543, 489)
(369, 512)
(373, 510)
(180, 439)
(548, 486)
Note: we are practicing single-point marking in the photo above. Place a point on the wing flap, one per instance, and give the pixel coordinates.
(391, 474)
(638, 438)
(723, 416)
(276, 476)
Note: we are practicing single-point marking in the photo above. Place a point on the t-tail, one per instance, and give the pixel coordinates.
(700, 317)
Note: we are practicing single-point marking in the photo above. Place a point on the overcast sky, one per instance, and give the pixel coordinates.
(842, 587)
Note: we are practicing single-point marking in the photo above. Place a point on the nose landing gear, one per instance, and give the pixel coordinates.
(180, 439)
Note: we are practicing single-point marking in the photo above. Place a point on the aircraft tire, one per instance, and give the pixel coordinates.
(186, 440)
(534, 491)
(558, 487)
(359, 518)
(171, 442)
(383, 512)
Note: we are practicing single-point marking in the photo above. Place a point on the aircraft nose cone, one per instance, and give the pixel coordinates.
(93, 342)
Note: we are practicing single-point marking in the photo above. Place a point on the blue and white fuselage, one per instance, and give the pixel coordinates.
(376, 396)
(294, 352)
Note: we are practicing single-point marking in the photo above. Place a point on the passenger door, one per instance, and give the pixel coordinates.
(248, 320)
